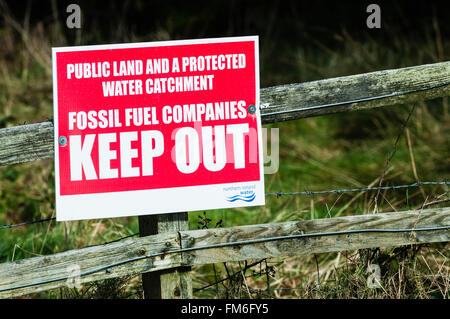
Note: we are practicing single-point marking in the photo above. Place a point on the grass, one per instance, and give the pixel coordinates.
(336, 151)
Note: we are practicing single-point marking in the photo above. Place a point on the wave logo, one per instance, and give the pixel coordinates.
(246, 196)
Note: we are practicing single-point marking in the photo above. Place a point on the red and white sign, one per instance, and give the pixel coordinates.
(151, 128)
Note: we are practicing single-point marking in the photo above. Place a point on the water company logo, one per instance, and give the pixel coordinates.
(246, 196)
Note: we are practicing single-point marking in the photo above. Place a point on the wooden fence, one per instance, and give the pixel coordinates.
(170, 252)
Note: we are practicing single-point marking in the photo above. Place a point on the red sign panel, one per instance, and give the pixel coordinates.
(157, 127)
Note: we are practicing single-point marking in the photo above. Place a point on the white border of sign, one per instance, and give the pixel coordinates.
(129, 203)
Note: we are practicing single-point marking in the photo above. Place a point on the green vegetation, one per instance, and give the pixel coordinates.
(336, 151)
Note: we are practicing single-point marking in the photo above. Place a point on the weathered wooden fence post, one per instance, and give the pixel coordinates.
(165, 284)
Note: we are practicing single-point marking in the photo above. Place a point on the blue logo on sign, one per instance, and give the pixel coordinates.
(246, 196)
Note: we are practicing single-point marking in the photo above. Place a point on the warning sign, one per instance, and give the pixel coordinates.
(151, 128)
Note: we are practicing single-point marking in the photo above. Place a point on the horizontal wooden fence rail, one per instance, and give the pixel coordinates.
(279, 103)
(294, 101)
(46, 269)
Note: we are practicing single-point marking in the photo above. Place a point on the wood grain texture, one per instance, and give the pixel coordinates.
(55, 266)
(35, 141)
(171, 283)
(312, 245)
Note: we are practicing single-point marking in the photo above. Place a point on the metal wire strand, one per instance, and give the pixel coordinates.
(221, 245)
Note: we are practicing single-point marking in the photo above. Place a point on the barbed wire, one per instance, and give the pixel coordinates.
(108, 267)
(362, 189)
(28, 223)
(279, 194)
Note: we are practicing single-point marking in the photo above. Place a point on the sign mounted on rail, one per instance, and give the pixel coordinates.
(158, 127)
